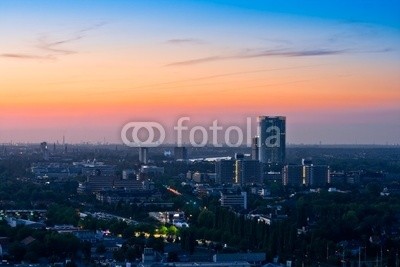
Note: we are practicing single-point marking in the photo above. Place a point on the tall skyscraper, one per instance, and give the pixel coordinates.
(272, 141)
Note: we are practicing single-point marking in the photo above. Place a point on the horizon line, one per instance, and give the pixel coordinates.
(210, 145)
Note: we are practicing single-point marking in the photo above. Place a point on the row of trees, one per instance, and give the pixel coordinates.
(235, 230)
(31, 245)
(19, 194)
(326, 218)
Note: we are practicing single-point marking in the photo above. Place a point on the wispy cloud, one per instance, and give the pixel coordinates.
(264, 53)
(51, 48)
(180, 41)
(25, 56)
(350, 37)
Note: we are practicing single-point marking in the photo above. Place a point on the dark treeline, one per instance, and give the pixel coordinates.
(324, 220)
(32, 244)
(238, 233)
(24, 194)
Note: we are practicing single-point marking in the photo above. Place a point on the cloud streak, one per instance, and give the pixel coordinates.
(184, 41)
(52, 47)
(264, 53)
(51, 50)
(25, 56)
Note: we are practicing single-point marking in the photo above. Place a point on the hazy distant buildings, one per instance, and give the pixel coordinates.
(128, 174)
(151, 171)
(115, 196)
(95, 184)
(351, 177)
(45, 150)
(254, 258)
(180, 153)
(54, 170)
(143, 155)
(200, 177)
(95, 168)
(60, 170)
(272, 139)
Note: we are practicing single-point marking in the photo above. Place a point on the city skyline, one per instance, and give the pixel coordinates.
(83, 70)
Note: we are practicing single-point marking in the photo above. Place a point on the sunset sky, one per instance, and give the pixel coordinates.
(85, 68)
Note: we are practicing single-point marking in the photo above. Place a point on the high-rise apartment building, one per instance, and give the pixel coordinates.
(225, 171)
(272, 139)
(247, 172)
(306, 174)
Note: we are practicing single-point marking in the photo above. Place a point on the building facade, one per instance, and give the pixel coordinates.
(272, 139)
(234, 200)
(144, 155)
(247, 171)
(225, 171)
(255, 148)
(306, 174)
